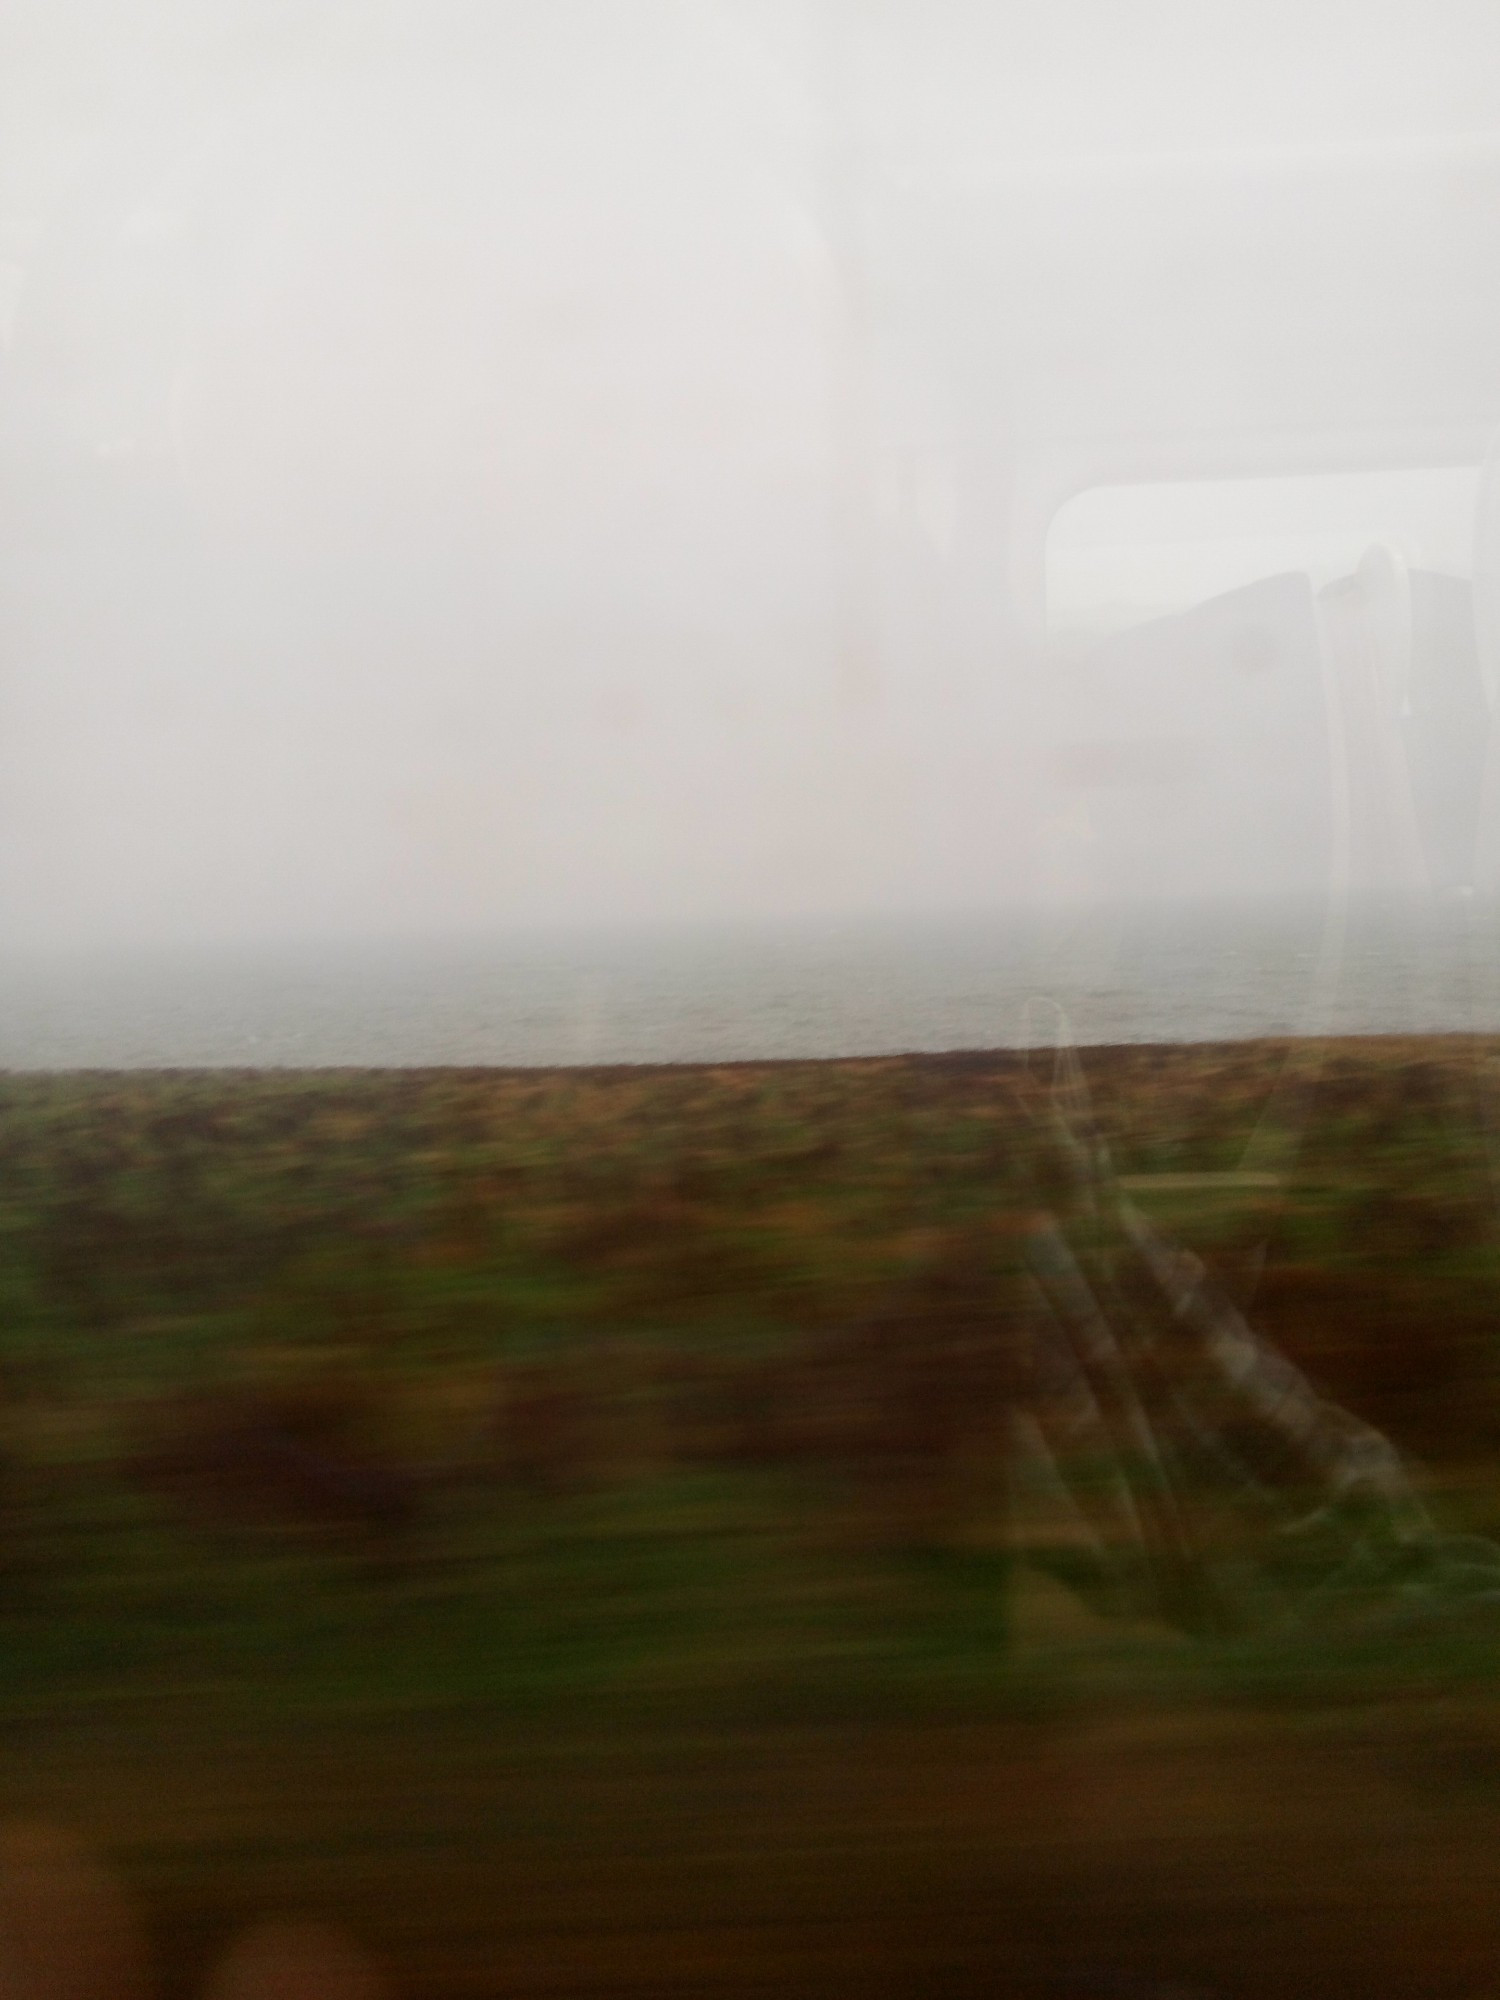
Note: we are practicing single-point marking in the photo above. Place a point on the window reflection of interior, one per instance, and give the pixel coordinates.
(1120, 555)
(1324, 717)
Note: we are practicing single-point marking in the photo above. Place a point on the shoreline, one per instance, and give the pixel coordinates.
(1375, 1043)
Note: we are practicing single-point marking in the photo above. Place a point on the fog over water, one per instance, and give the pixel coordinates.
(752, 992)
(553, 470)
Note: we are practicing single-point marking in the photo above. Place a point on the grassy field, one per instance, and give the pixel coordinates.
(454, 1500)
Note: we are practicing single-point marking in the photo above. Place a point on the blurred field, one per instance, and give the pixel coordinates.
(558, 1523)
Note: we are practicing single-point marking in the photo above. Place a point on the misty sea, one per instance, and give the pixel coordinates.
(711, 994)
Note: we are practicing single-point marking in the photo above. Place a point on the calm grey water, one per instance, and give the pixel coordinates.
(713, 994)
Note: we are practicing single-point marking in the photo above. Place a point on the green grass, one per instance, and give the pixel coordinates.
(162, 1231)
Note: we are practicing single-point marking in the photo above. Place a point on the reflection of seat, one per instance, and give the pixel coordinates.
(1273, 741)
(1402, 649)
(1201, 745)
(1447, 729)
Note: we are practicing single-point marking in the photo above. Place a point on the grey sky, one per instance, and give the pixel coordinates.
(444, 443)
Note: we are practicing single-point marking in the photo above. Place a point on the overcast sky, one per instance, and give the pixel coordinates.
(428, 436)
